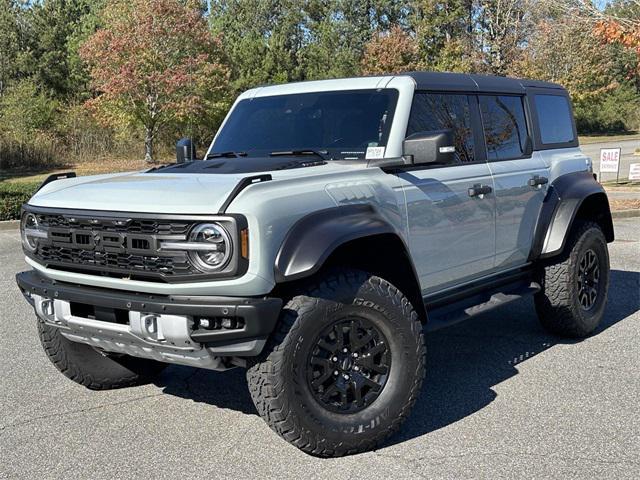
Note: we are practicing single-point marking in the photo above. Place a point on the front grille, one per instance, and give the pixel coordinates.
(115, 246)
(175, 265)
(128, 245)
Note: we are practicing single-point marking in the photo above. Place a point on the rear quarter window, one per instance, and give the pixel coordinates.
(555, 120)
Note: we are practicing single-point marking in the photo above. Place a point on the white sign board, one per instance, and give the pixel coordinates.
(609, 160)
(634, 171)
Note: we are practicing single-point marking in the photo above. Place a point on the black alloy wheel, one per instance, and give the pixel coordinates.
(588, 279)
(349, 365)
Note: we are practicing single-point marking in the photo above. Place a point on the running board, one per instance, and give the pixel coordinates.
(447, 315)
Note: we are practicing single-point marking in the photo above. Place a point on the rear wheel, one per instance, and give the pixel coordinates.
(574, 288)
(343, 368)
(95, 370)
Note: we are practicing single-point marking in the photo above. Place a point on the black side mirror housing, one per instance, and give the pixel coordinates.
(435, 147)
(185, 150)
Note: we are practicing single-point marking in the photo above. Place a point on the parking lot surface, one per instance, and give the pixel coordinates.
(502, 399)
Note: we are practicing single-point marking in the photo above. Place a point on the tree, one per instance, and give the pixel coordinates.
(8, 42)
(274, 41)
(444, 31)
(390, 52)
(627, 34)
(502, 29)
(55, 28)
(154, 63)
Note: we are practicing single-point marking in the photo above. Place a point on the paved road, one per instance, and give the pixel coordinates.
(502, 400)
(628, 148)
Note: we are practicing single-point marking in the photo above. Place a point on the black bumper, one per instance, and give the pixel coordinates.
(258, 316)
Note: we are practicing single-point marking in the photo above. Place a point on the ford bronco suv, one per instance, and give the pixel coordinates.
(329, 225)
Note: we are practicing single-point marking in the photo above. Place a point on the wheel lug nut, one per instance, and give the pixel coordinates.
(335, 372)
(356, 368)
(334, 359)
(355, 355)
(344, 350)
(345, 376)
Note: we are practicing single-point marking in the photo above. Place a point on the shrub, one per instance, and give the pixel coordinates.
(12, 196)
(615, 111)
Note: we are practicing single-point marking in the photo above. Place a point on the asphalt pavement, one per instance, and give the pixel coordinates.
(502, 399)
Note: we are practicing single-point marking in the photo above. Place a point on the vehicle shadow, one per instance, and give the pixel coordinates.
(464, 362)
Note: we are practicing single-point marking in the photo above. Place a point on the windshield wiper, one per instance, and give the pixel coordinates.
(229, 154)
(297, 153)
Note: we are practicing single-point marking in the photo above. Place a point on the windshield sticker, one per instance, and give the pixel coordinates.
(374, 152)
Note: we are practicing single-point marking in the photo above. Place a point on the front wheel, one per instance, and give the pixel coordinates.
(344, 367)
(575, 286)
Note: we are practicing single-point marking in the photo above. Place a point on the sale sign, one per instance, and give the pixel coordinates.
(609, 160)
(634, 171)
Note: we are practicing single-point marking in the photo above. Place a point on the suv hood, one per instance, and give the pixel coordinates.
(140, 192)
(165, 190)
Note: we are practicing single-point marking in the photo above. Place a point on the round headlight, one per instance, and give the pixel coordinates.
(216, 247)
(28, 225)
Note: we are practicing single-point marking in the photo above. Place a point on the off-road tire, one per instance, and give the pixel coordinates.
(97, 371)
(558, 304)
(278, 380)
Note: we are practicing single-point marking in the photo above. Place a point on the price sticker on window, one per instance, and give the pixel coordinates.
(375, 152)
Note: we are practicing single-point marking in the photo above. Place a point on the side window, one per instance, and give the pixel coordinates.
(554, 118)
(505, 127)
(436, 111)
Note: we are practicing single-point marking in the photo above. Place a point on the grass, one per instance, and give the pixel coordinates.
(612, 137)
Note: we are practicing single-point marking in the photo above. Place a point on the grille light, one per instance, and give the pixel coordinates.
(30, 232)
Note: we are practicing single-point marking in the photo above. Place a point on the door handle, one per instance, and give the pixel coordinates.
(479, 190)
(538, 181)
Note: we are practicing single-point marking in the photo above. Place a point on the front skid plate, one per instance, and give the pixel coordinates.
(164, 338)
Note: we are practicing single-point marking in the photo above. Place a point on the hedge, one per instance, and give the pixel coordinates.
(12, 196)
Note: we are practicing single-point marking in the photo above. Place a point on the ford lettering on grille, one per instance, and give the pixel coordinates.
(102, 241)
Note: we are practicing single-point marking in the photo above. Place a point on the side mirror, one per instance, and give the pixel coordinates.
(436, 147)
(185, 150)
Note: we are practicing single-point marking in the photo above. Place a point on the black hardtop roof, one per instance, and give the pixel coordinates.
(475, 83)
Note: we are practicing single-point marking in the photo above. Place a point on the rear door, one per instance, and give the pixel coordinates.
(451, 233)
(520, 178)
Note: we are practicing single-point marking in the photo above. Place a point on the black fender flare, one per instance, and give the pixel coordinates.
(313, 238)
(566, 195)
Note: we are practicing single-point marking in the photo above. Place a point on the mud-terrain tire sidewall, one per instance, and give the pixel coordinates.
(558, 304)
(311, 426)
(85, 365)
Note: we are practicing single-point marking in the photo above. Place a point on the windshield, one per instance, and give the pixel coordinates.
(337, 124)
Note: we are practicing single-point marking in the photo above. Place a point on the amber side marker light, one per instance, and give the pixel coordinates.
(244, 243)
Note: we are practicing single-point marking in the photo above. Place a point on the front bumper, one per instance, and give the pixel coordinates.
(154, 326)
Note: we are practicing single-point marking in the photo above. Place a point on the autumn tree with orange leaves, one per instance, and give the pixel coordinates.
(390, 52)
(154, 63)
(627, 35)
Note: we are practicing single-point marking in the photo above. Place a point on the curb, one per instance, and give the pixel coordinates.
(626, 213)
(9, 225)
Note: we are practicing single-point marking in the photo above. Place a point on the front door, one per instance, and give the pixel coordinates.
(451, 225)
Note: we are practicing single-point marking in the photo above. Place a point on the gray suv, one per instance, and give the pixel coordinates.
(329, 225)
